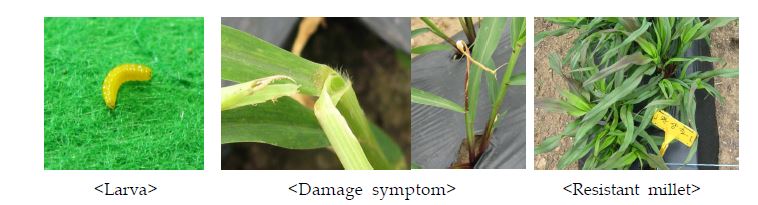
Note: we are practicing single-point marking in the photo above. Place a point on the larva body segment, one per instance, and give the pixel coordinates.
(119, 75)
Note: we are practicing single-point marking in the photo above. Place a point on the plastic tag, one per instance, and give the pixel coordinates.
(673, 129)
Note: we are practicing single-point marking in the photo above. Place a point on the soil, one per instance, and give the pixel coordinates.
(463, 161)
(548, 85)
(724, 44)
(449, 25)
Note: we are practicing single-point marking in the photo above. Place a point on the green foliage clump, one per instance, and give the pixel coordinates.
(620, 72)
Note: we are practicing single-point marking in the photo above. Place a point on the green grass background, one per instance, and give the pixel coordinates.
(156, 124)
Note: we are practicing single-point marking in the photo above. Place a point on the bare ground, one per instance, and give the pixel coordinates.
(725, 44)
(548, 85)
(449, 25)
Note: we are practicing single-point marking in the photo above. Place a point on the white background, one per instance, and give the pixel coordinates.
(24, 180)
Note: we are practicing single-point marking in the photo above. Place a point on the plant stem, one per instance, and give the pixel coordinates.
(463, 48)
(469, 136)
(436, 30)
(467, 29)
(351, 110)
(472, 30)
(356, 119)
(503, 90)
(338, 132)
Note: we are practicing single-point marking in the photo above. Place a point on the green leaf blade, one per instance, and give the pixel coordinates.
(623, 63)
(421, 50)
(627, 87)
(519, 79)
(548, 144)
(299, 128)
(338, 132)
(419, 31)
(245, 57)
(427, 98)
(490, 32)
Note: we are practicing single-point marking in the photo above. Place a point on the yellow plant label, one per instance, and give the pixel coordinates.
(673, 129)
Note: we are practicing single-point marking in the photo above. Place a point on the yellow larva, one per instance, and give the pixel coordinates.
(119, 75)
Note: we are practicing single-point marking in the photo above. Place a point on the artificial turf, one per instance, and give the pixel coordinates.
(156, 124)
